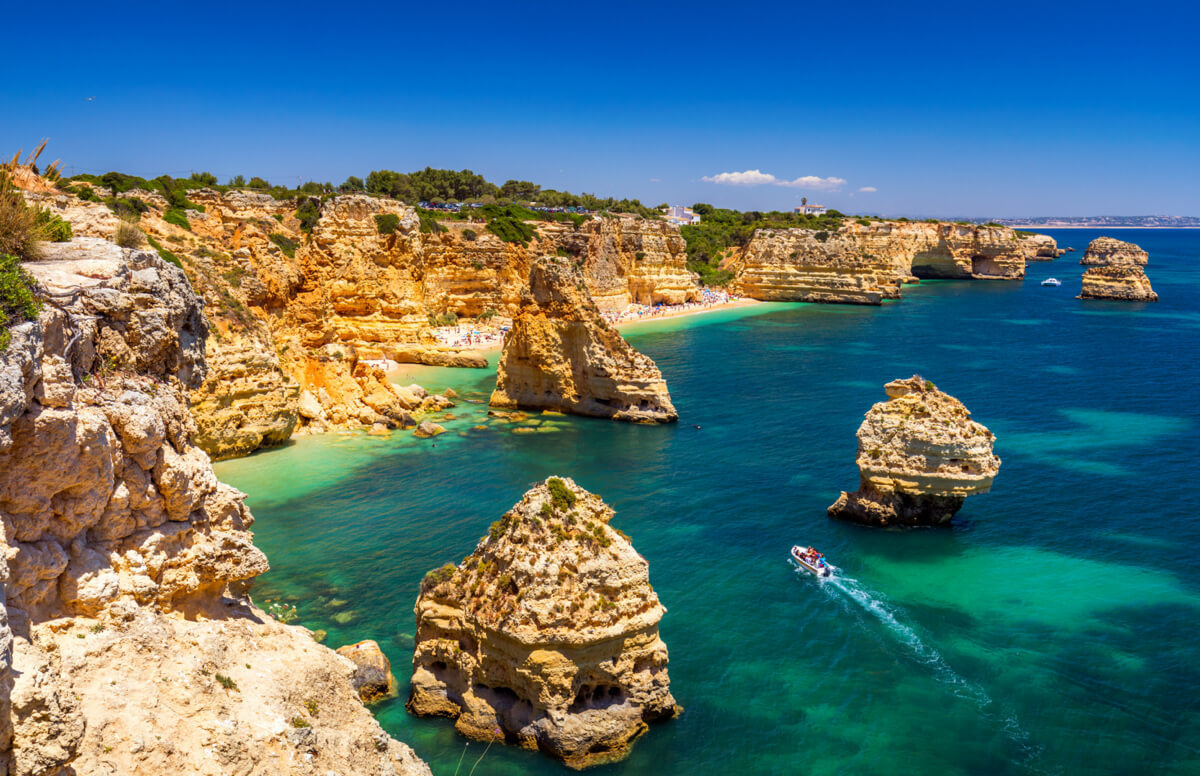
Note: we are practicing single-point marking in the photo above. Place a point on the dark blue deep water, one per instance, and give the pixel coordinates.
(1055, 628)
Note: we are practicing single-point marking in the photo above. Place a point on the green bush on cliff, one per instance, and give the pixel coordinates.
(163, 253)
(52, 227)
(17, 301)
(563, 497)
(386, 223)
(511, 230)
(438, 576)
(429, 223)
(178, 217)
(307, 213)
(285, 243)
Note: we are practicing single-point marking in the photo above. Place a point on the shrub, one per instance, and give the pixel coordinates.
(258, 183)
(226, 682)
(285, 243)
(386, 223)
(17, 302)
(488, 314)
(278, 217)
(312, 707)
(445, 319)
(469, 235)
(929, 386)
(563, 252)
(862, 222)
(429, 224)
(204, 178)
(511, 230)
(178, 217)
(438, 576)
(163, 253)
(308, 212)
(129, 236)
(640, 255)
(127, 207)
(300, 722)
(562, 496)
(87, 194)
(52, 227)
(19, 228)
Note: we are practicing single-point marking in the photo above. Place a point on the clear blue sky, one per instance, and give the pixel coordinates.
(991, 109)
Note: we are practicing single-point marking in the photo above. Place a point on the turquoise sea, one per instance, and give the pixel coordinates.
(1055, 628)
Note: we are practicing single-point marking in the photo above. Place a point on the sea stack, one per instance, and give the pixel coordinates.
(561, 355)
(919, 456)
(546, 635)
(1115, 272)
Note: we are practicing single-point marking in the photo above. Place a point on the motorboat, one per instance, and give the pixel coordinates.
(811, 561)
(1051, 282)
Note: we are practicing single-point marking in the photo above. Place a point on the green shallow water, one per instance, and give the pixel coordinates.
(1055, 628)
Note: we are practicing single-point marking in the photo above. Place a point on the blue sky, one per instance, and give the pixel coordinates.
(989, 109)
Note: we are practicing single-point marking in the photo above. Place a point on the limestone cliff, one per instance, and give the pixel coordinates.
(1110, 252)
(866, 262)
(561, 355)
(1039, 247)
(546, 635)
(127, 560)
(919, 456)
(1115, 272)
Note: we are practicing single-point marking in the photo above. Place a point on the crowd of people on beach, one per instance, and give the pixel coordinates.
(709, 298)
(484, 337)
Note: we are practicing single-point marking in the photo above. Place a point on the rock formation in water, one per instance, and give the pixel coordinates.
(1115, 271)
(866, 262)
(546, 635)
(1039, 247)
(919, 456)
(561, 355)
(372, 671)
(134, 648)
(1110, 252)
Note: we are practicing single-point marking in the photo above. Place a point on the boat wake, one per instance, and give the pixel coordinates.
(850, 591)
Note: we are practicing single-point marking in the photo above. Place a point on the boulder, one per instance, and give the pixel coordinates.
(372, 677)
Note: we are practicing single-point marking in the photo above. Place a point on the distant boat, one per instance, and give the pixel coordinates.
(1051, 282)
(811, 561)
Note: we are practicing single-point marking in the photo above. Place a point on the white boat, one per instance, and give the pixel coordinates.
(811, 561)
(1051, 282)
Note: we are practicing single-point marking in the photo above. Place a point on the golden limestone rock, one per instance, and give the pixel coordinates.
(1115, 272)
(561, 355)
(546, 636)
(1039, 247)
(919, 456)
(125, 562)
(866, 262)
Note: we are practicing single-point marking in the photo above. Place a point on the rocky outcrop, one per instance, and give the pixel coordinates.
(1039, 247)
(546, 635)
(919, 456)
(1115, 272)
(128, 561)
(372, 671)
(1120, 283)
(867, 262)
(561, 355)
(1110, 252)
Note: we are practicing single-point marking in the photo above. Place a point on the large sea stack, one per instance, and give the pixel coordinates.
(561, 355)
(919, 456)
(546, 635)
(1115, 272)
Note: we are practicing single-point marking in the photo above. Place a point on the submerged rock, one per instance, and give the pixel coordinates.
(1115, 272)
(919, 456)
(428, 429)
(546, 635)
(561, 355)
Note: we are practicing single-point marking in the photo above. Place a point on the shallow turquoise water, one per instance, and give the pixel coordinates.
(1054, 629)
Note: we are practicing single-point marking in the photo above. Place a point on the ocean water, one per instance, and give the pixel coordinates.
(1054, 628)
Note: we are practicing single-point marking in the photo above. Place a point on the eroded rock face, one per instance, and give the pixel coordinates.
(865, 263)
(1115, 272)
(546, 635)
(1110, 252)
(113, 522)
(561, 355)
(1040, 247)
(372, 671)
(919, 456)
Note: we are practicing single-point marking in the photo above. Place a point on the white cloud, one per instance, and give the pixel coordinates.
(760, 178)
(747, 178)
(868, 189)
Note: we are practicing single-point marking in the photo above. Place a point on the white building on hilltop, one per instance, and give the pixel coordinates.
(811, 210)
(683, 216)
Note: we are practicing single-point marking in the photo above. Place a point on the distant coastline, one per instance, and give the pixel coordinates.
(1093, 226)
